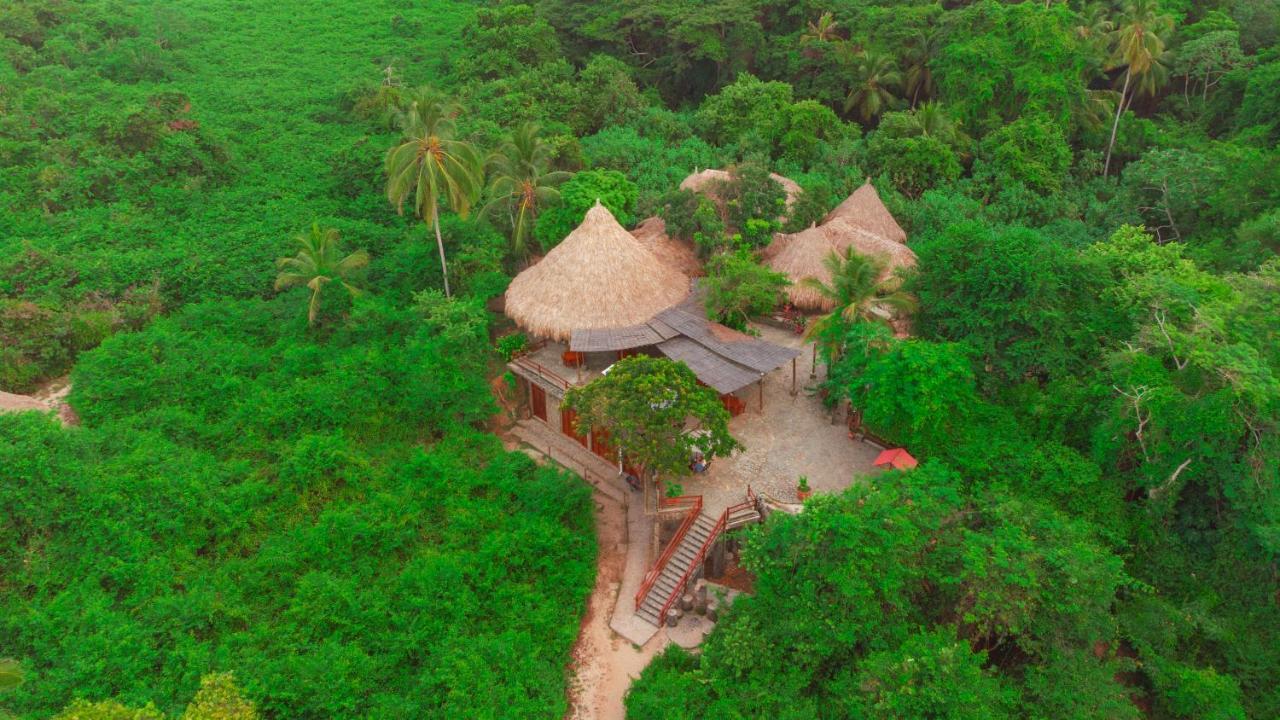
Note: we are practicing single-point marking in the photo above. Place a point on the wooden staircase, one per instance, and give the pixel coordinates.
(685, 553)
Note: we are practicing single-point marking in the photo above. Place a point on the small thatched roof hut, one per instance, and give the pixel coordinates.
(864, 209)
(894, 254)
(803, 255)
(706, 180)
(798, 256)
(598, 277)
(652, 233)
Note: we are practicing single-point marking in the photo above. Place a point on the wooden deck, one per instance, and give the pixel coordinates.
(598, 472)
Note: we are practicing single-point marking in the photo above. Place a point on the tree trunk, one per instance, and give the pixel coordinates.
(444, 267)
(1116, 125)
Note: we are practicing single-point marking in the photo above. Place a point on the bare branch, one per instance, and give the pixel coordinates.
(1158, 313)
(1136, 396)
(1155, 492)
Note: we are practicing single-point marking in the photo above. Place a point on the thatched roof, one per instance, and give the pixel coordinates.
(799, 256)
(802, 255)
(894, 254)
(599, 276)
(864, 209)
(652, 233)
(705, 181)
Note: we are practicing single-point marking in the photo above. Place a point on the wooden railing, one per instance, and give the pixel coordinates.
(694, 503)
(681, 502)
(701, 555)
(541, 370)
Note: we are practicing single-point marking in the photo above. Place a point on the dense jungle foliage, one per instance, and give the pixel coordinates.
(294, 486)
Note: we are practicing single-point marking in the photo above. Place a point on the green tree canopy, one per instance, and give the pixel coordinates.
(903, 598)
(644, 404)
(737, 288)
(609, 187)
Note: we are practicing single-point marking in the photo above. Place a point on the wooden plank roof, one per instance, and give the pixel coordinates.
(712, 369)
(624, 338)
(759, 355)
(721, 357)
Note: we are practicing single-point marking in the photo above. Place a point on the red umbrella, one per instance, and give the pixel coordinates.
(896, 458)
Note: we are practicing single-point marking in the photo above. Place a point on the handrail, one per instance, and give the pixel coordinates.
(668, 503)
(539, 368)
(701, 555)
(652, 576)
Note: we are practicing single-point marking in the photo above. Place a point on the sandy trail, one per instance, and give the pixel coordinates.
(51, 396)
(605, 664)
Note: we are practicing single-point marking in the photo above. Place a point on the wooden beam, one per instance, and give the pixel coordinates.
(760, 384)
(793, 377)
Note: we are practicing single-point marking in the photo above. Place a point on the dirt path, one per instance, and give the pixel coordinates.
(604, 663)
(50, 396)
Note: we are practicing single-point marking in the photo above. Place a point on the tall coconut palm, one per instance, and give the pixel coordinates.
(430, 165)
(874, 75)
(521, 183)
(1138, 43)
(319, 262)
(921, 51)
(859, 291)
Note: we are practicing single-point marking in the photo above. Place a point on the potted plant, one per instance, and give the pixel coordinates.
(802, 489)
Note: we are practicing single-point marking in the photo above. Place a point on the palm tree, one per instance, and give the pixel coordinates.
(430, 165)
(859, 292)
(1091, 108)
(933, 121)
(521, 183)
(1095, 27)
(824, 30)
(1138, 44)
(875, 74)
(920, 52)
(319, 262)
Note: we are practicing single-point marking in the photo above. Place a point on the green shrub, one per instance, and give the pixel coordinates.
(509, 346)
(610, 188)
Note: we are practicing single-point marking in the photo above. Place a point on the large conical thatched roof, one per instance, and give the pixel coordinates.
(803, 255)
(706, 180)
(864, 209)
(652, 233)
(598, 277)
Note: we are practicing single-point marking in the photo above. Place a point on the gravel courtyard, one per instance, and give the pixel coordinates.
(792, 437)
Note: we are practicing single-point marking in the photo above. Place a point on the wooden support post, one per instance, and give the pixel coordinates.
(793, 377)
(760, 383)
(813, 369)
